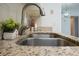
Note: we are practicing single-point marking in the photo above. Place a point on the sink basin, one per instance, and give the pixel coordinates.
(46, 39)
(45, 42)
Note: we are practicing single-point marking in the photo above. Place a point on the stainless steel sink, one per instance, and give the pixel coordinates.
(45, 42)
(45, 39)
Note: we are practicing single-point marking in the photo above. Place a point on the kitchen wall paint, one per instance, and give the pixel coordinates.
(13, 10)
(65, 24)
(52, 16)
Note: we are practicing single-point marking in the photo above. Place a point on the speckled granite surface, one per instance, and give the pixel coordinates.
(10, 48)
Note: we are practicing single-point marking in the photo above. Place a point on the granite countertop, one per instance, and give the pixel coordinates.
(10, 48)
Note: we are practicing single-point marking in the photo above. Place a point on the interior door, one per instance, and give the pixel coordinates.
(74, 25)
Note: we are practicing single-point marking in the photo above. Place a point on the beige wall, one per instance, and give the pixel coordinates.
(52, 16)
(11, 10)
(49, 20)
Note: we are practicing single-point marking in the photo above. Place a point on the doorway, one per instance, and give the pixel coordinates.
(74, 25)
